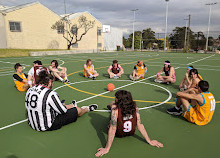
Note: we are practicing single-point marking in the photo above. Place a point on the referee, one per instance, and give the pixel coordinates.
(45, 110)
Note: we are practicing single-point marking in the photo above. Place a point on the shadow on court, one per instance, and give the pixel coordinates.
(165, 92)
(163, 108)
(106, 75)
(100, 124)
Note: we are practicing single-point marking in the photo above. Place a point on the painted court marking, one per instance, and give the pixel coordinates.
(101, 94)
(19, 122)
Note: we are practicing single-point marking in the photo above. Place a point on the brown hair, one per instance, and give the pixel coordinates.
(44, 78)
(125, 102)
(115, 61)
(88, 60)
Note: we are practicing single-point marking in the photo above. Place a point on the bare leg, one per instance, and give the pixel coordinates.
(95, 74)
(178, 102)
(185, 103)
(56, 75)
(111, 75)
(26, 86)
(82, 111)
(120, 73)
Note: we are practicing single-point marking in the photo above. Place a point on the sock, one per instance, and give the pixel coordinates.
(61, 79)
(66, 78)
(84, 107)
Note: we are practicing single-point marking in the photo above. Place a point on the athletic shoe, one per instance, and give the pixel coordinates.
(174, 111)
(74, 103)
(90, 76)
(168, 83)
(115, 77)
(67, 81)
(158, 81)
(93, 78)
(93, 107)
(109, 107)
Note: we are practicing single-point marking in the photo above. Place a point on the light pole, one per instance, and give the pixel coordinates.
(210, 12)
(165, 39)
(133, 10)
(185, 34)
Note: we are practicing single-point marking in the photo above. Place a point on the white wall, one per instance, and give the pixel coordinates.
(113, 39)
(3, 39)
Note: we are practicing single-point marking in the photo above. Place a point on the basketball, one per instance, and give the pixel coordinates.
(110, 87)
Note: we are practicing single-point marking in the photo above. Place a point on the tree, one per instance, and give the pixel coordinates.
(148, 37)
(73, 33)
(211, 41)
(200, 41)
(126, 43)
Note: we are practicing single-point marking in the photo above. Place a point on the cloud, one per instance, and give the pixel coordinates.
(150, 14)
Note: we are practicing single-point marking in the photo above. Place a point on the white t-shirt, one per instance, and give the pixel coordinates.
(31, 72)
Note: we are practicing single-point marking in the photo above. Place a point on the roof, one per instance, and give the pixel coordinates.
(75, 15)
(5, 9)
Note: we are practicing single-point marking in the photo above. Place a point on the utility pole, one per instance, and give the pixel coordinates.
(210, 12)
(187, 50)
(134, 10)
(185, 34)
(165, 38)
(140, 41)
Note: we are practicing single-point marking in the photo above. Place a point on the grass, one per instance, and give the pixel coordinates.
(19, 52)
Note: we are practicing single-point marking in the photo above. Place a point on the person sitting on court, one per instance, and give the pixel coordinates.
(34, 72)
(139, 71)
(115, 70)
(89, 70)
(199, 108)
(195, 78)
(184, 84)
(125, 117)
(59, 75)
(20, 78)
(45, 110)
(169, 71)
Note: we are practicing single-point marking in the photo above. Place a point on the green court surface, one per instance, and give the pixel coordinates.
(83, 138)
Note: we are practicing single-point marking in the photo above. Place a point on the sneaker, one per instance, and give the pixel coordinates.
(63, 101)
(93, 78)
(158, 81)
(66, 81)
(115, 77)
(109, 107)
(174, 111)
(168, 83)
(74, 103)
(93, 107)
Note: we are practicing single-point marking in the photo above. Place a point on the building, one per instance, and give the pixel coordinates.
(28, 26)
(113, 39)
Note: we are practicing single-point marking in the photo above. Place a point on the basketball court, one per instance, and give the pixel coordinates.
(83, 138)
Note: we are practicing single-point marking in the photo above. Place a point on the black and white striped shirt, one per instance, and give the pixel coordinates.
(43, 105)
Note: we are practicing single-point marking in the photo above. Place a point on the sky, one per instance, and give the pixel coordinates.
(151, 14)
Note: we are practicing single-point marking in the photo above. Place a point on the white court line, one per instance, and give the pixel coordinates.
(2, 128)
(201, 59)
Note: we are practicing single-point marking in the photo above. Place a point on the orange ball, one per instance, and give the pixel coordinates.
(110, 87)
